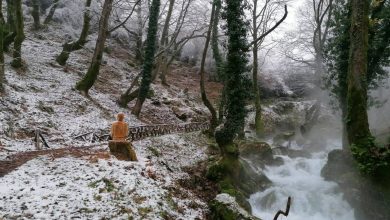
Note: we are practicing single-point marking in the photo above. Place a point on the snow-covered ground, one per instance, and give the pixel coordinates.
(41, 96)
(95, 188)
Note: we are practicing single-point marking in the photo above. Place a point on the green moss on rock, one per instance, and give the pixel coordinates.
(225, 207)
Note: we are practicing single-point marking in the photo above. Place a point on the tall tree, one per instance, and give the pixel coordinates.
(219, 62)
(261, 27)
(369, 156)
(149, 57)
(53, 8)
(10, 26)
(214, 40)
(337, 55)
(19, 38)
(338, 46)
(1, 12)
(93, 71)
(236, 82)
(206, 101)
(76, 45)
(35, 13)
(164, 42)
(357, 119)
(2, 69)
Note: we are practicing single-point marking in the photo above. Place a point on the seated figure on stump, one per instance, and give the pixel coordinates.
(119, 129)
(119, 147)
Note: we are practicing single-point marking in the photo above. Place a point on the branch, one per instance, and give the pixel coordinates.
(285, 213)
(127, 18)
(272, 29)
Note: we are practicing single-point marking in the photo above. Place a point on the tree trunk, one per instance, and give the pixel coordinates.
(206, 102)
(53, 8)
(236, 81)
(163, 59)
(19, 38)
(10, 32)
(11, 13)
(1, 13)
(35, 14)
(259, 126)
(77, 45)
(129, 96)
(139, 42)
(2, 71)
(214, 41)
(149, 57)
(93, 71)
(357, 119)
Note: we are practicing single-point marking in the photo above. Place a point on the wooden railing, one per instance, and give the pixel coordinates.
(144, 131)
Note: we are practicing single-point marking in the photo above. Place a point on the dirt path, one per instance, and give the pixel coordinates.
(17, 160)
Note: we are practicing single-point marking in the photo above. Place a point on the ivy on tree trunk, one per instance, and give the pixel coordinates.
(149, 57)
(236, 82)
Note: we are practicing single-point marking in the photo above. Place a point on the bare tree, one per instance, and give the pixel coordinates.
(262, 25)
(93, 71)
(306, 45)
(19, 38)
(76, 45)
(35, 14)
(2, 35)
(189, 25)
(206, 102)
(50, 15)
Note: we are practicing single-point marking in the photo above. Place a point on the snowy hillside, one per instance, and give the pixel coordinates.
(94, 184)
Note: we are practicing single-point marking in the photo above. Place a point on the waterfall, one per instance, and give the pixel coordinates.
(313, 198)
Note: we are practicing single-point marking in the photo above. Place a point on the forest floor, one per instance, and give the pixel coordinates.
(76, 179)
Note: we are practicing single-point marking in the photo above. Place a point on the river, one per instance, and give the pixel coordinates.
(313, 198)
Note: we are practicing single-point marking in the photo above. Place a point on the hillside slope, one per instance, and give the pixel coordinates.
(93, 184)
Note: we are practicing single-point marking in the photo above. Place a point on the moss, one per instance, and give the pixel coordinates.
(143, 211)
(62, 58)
(154, 151)
(220, 212)
(150, 94)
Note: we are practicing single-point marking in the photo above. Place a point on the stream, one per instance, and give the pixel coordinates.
(313, 198)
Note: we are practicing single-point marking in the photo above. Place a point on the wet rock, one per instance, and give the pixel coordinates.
(292, 153)
(368, 195)
(225, 207)
(257, 152)
(180, 113)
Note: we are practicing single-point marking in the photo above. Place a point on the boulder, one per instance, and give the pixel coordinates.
(368, 195)
(122, 150)
(225, 207)
(259, 153)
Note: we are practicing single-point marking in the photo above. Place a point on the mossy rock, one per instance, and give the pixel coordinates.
(237, 178)
(225, 207)
(368, 195)
(258, 152)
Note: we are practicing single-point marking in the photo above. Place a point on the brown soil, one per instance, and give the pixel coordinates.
(17, 160)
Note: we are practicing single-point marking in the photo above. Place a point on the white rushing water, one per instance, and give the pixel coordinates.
(313, 198)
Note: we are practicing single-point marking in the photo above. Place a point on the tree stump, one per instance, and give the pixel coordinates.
(122, 150)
